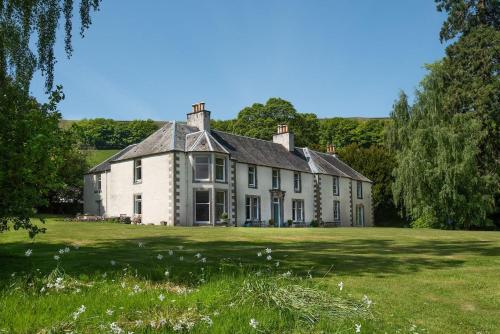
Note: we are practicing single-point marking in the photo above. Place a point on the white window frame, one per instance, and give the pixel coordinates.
(254, 173)
(224, 164)
(252, 202)
(336, 186)
(297, 186)
(137, 171)
(336, 210)
(99, 182)
(202, 203)
(196, 164)
(278, 177)
(360, 215)
(359, 189)
(137, 209)
(224, 205)
(298, 210)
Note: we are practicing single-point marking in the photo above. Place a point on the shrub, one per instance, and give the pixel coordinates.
(314, 223)
(427, 220)
(290, 222)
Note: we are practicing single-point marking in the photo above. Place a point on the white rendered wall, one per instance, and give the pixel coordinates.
(91, 195)
(327, 198)
(366, 202)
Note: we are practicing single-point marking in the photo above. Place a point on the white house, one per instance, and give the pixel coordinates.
(186, 174)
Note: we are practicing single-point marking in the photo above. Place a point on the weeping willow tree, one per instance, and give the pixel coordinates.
(34, 151)
(28, 30)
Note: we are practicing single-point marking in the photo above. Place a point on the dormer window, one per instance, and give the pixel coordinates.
(202, 168)
(137, 171)
(276, 179)
(220, 169)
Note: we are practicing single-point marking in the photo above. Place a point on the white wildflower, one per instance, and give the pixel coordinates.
(268, 250)
(269, 258)
(28, 252)
(56, 257)
(341, 285)
(76, 247)
(180, 247)
(259, 254)
(77, 313)
(66, 249)
(162, 322)
(136, 289)
(367, 301)
(170, 252)
(167, 273)
(123, 285)
(208, 320)
(140, 244)
(198, 255)
(277, 263)
(115, 329)
(159, 257)
(138, 323)
(113, 262)
(109, 311)
(254, 323)
(181, 258)
(204, 260)
(61, 251)
(358, 328)
(287, 274)
(177, 327)
(161, 297)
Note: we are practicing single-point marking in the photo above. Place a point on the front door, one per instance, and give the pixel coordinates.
(277, 212)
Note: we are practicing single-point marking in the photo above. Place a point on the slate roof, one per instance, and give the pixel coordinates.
(106, 164)
(177, 136)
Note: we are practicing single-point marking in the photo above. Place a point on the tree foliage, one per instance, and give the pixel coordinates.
(24, 24)
(34, 156)
(101, 133)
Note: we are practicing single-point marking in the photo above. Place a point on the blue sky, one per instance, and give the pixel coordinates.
(153, 59)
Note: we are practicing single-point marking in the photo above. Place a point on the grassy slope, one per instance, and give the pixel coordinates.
(94, 157)
(441, 281)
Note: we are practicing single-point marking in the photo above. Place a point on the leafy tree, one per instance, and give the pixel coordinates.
(31, 155)
(24, 24)
(377, 163)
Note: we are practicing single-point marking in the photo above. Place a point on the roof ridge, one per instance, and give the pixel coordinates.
(234, 134)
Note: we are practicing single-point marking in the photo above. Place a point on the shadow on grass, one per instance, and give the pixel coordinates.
(359, 257)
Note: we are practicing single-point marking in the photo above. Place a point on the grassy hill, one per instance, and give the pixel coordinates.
(149, 279)
(95, 157)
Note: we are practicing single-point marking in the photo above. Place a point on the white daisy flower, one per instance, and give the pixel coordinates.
(268, 250)
(341, 285)
(207, 319)
(159, 257)
(140, 244)
(259, 254)
(181, 258)
(66, 249)
(204, 260)
(28, 252)
(56, 257)
(170, 252)
(254, 323)
(109, 312)
(167, 273)
(161, 297)
(269, 258)
(113, 262)
(277, 263)
(61, 251)
(198, 255)
(358, 328)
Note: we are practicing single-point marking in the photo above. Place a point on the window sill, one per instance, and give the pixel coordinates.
(138, 182)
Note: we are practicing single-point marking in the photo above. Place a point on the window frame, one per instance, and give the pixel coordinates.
(360, 215)
(208, 204)
(359, 189)
(254, 185)
(299, 188)
(336, 185)
(138, 204)
(224, 208)
(224, 169)
(278, 178)
(137, 170)
(336, 210)
(208, 164)
(298, 206)
(252, 202)
(98, 183)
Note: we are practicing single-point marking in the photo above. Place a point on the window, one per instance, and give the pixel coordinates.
(252, 207)
(202, 206)
(360, 216)
(336, 187)
(99, 183)
(137, 171)
(202, 168)
(220, 204)
(137, 204)
(276, 179)
(298, 210)
(336, 210)
(252, 177)
(360, 189)
(297, 182)
(220, 169)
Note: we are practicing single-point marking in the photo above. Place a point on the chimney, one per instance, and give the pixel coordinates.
(284, 137)
(199, 117)
(330, 149)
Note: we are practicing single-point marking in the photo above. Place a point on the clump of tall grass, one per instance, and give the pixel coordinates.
(310, 302)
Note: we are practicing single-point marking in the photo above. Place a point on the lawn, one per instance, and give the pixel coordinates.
(95, 157)
(420, 281)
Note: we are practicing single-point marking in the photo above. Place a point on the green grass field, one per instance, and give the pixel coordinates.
(94, 157)
(420, 281)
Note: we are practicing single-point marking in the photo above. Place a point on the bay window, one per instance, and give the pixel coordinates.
(220, 169)
(220, 204)
(202, 168)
